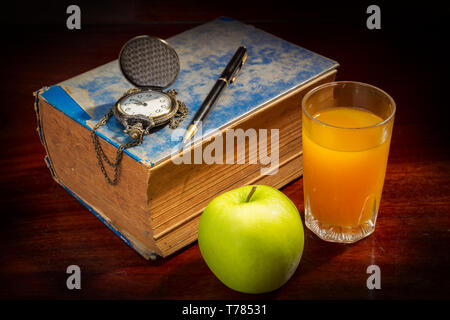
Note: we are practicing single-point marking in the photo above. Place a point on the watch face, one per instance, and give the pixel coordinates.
(146, 103)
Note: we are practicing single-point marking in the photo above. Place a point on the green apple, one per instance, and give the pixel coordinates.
(251, 238)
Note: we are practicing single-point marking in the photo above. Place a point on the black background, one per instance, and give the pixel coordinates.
(412, 40)
(408, 55)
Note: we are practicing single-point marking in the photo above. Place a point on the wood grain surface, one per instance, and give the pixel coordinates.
(44, 229)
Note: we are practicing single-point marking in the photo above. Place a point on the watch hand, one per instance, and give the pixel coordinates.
(139, 102)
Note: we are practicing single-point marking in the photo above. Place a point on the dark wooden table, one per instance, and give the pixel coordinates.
(44, 229)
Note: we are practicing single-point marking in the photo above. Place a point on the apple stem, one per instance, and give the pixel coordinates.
(251, 193)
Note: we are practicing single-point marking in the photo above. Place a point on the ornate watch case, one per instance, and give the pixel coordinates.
(151, 65)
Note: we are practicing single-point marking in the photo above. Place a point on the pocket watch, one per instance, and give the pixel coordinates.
(151, 65)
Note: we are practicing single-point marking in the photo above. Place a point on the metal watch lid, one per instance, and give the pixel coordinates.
(149, 62)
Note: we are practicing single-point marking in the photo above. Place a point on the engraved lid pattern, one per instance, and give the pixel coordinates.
(149, 62)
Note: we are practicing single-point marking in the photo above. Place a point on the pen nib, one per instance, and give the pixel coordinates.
(190, 133)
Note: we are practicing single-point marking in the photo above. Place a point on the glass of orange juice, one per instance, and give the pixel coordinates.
(346, 129)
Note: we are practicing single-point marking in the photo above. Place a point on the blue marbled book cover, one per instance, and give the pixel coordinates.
(274, 67)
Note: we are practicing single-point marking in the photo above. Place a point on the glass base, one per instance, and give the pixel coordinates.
(336, 233)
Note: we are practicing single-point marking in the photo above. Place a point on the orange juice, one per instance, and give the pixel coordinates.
(344, 163)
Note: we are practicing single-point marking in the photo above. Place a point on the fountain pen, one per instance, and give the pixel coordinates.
(227, 77)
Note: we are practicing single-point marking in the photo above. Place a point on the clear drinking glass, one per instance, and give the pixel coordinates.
(347, 129)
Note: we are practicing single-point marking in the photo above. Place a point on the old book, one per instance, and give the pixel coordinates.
(156, 205)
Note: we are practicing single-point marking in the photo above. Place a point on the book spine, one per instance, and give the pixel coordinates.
(48, 161)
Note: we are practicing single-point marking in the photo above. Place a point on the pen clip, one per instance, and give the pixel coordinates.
(238, 70)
